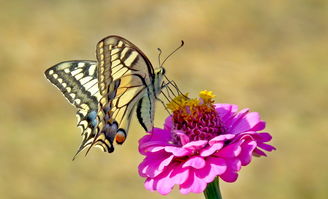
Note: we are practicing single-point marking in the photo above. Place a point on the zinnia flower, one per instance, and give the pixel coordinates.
(200, 141)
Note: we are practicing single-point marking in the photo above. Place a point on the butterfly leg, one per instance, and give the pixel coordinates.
(164, 104)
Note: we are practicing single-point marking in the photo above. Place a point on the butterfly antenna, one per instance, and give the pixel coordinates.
(159, 56)
(182, 43)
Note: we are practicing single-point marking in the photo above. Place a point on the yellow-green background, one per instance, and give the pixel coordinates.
(270, 56)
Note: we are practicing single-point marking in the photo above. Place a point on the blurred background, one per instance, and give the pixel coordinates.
(270, 56)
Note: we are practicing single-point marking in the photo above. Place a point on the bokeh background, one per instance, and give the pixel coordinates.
(270, 56)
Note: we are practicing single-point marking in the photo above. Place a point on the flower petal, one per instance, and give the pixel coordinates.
(195, 162)
(211, 149)
(179, 175)
(246, 121)
(246, 153)
(193, 184)
(230, 151)
(177, 151)
(195, 145)
(221, 138)
(214, 167)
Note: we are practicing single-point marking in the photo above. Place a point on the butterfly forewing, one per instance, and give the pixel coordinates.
(106, 92)
(119, 60)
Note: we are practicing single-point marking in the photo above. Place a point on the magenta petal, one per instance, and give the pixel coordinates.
(229, 176)
(183, 137)
(179, 175)
(218, 165)
(193, 184)
(168, 123)
(226, 111)
(246, 153)
(266, 147)
(221, 138)
(177, 151)
(248, 122)
(163, 182)
(149, 184)
(195, 145)
(213, 168)
(195, 162)
(230, 151)
(211, 149)
(153, 165)
(258, 152)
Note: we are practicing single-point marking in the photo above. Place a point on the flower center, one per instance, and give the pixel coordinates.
(197, 118)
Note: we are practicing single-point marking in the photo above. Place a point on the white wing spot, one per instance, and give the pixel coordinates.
(74, 72)
(67, 70)
(114, 51)
(77, 101)
(85, 79)
(60, 80)
(69, 89)
(51, 72)
(92, 70)
(116, 62)
(64, 84)
(55, 76)
(120, 44)
(131, 58)
(124, 51)
(72, 95)
(80, 65)
(78, 76)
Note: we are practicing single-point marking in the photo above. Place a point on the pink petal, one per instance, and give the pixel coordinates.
(229, 176)
(246, 153)
(193, 184)
(221, 138)
(230, 151)
(226, 111)
(163, 182)
(211, 149)
(149, 184)
(183, 137)
(247, 121)
(177, 151)
(258, 152)
(195, 162)
(168, 123)
(213, 168)
(233, 166)
(154, 165)
(266, 147)
(179, 175)
(263, 137)
(195, 145)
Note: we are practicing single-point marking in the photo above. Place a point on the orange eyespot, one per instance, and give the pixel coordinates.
(120, 136)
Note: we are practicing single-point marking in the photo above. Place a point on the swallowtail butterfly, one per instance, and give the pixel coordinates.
(107, 91)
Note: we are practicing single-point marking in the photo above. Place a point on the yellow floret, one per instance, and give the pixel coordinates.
(178, 102)
(207, 96)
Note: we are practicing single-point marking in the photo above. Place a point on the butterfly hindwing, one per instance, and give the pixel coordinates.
(78, 81)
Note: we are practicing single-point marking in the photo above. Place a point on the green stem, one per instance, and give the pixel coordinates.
(212, 190)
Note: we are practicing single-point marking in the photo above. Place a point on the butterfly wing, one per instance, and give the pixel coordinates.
(78, 81)
(124, 74)
(145, 110)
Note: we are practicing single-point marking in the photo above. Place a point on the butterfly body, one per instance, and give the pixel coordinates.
(107, 91)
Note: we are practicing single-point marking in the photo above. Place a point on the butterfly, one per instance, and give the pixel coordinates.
(107, 91)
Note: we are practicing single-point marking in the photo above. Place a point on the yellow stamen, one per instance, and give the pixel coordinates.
(207, 96)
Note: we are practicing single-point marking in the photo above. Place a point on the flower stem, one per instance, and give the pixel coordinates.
(212, 190)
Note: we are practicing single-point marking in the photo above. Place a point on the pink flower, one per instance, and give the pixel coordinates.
(199, 142)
